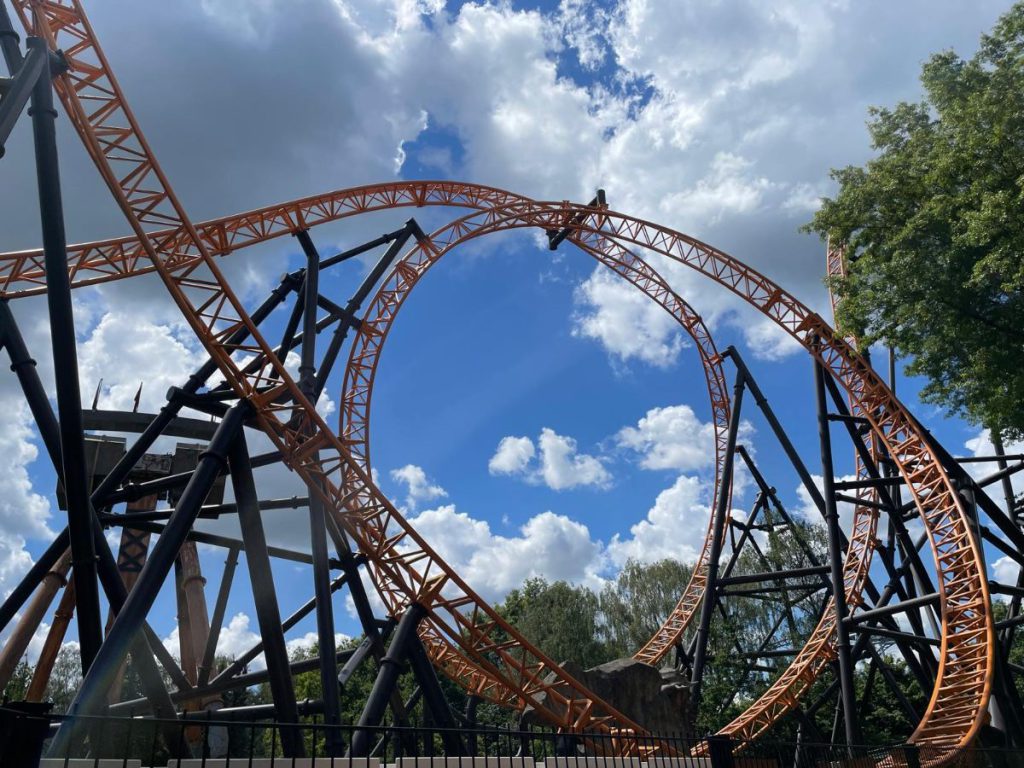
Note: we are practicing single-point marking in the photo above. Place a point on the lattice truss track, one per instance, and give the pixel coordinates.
(463, 635)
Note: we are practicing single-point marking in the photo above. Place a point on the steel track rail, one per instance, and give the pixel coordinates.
(957, 705)
(412, 571)
(364, 357)
(398, 557)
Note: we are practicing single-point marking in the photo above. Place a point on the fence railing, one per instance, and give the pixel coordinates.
(203, 741)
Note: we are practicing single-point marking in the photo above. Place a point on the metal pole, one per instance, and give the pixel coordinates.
(91, 696)
(387, 677)
(310, 290)
(346, 321)
(710, 588)
(65, 364)
(219, 609)
(835, 553)
(433, 696)
(264, 595)
(325, 624)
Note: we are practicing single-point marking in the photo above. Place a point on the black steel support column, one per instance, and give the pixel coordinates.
(433, 697)
(217, 619)
(91, 696)
(721, 511)
(348, 319)
(387, 678)
(848, 694)
(310, 292)
(65, 365)
(317, 512)
(282, 690)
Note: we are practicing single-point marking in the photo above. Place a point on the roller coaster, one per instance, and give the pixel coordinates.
(874, 587)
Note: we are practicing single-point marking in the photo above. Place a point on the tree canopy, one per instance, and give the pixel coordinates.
(934, 232)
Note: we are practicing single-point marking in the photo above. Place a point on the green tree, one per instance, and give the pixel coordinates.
(639, 601)
(934, 234)
(559, 619)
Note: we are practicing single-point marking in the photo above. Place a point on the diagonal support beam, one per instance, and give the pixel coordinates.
(721, 510)
(91, 696)
(265, 595)
(65, 362)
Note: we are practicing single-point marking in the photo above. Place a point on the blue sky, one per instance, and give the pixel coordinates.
(719, 119)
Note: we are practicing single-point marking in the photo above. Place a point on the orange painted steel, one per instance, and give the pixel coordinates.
(401, 563)
(958, 703)
(819, 649)
(22, 274)
(376, 324)
(399, 559)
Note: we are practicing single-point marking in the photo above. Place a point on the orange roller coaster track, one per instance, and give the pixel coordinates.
(360, 373)
(401, 563)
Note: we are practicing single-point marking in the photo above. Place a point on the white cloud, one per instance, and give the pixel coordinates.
(236, 638)
(1005, 570)
(671, 438)
(548, 545)
(24, 513)
(419, 488)
(728, 188)
(512, 456)
(562, 467)
(559, 465)
(308, 640)
(674, 527)
(625, 321)
(125, 350)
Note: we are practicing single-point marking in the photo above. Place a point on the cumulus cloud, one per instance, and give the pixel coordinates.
(547, 545)
(237, 637)
(624, 321)
(559, 465)
(674, 527)
(512, 456)
(671, 438)
(24, 512)
(418, 487)
(562, 467)
(1005, 570)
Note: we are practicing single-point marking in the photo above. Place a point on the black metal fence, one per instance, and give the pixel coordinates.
(205, 742)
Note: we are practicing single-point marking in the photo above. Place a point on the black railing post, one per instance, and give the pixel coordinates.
(720, 751)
